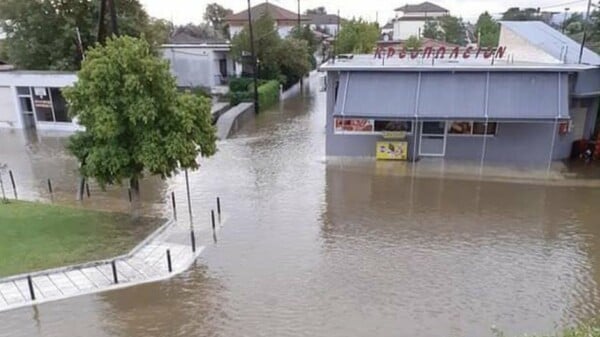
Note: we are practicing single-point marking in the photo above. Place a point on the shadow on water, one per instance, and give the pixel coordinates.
(318, 248)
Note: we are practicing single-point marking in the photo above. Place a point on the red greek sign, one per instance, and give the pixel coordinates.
(440, 52)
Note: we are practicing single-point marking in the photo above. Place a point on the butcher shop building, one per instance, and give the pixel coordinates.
(525, 101)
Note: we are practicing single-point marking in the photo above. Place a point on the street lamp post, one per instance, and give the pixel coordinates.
(254, 59)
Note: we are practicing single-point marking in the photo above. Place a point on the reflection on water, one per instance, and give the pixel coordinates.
(317, 248)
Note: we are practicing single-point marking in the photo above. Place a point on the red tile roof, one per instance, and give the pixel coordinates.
(276, 12)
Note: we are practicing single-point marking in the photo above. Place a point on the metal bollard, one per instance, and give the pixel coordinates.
(169, 265)
(174, 205)
(219, 208)
(12, 181)
(87, 189)
(50, 188)
(30, 284)
(193, 237)
(114, 271)
(212, 216)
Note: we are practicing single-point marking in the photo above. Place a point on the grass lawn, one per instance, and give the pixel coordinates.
(36, 236)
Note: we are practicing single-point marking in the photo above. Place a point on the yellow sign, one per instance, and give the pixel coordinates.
(392, 150)
(400, 135)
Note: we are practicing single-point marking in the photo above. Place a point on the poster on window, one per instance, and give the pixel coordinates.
(43, 105)
(392, 150)
(354, 125)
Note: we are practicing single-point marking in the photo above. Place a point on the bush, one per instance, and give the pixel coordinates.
(268, 94)
(239, 84)
(236, 97)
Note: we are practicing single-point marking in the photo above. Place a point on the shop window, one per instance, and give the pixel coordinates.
(472, 128)
(61, 111)
(370, 126)
(393, 126)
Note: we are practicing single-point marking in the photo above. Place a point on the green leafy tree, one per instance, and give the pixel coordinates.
(293, 66)
(135, 121)
(357, 36)
(215, 15)
(432, 30)
(41, 34)
(266, 44)
(306, 34)
(573, 24)
(413, 42)
(518, 14)
(453, 29)
(488, 30)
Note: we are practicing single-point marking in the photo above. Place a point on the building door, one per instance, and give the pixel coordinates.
(433, 139)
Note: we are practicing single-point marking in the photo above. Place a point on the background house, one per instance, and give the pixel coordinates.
(197, 62)
(325, 23)
(286, 20)
(410, 19)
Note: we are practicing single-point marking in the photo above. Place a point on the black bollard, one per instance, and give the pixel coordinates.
(193, 237)
(87, 189)
(12, 181)
(129, 193)
(174, 206)
(114, 270)
(212, 216)
(169, 261)
(50, 188)
(219, 208)
(30, 283)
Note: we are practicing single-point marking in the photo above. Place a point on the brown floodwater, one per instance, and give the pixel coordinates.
(315, 247)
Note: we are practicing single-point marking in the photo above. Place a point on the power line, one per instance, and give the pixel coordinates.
(563, 4)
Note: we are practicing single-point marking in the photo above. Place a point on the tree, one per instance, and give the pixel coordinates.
(432, 30)
(413, 42)
(41, 34)
(135, 120)
(293, 66)
(357, 36)
(518, 14)
(215, 15)
(574, 24)
(266, 44)
(319, 10)
(306, 34)
(487, 30)
(454, 30)
(201, 31)
(158, 31)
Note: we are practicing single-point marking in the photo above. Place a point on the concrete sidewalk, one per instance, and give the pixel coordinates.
(144, 264)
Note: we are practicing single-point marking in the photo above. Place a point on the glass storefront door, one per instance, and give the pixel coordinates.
(433, 139)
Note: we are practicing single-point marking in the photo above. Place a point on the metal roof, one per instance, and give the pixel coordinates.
(552, 41)
(370, 63)
(422, 7)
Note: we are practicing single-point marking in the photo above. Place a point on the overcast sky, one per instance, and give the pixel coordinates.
(184, 11)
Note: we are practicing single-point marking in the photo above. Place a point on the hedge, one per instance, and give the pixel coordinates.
(239, 84)
(268, 94)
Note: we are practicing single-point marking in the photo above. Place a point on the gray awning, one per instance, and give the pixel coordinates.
(448, 95)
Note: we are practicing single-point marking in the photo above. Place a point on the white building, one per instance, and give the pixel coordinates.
(33, 99)
(285, 20)
(325, 23)
(199, 62)
(410, 19)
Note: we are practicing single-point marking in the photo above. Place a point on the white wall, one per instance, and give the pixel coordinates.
(283, 30)
(8, 116)
(523, 50)
(234, 30)
(417, 14)
(192, 67)
(405, 29)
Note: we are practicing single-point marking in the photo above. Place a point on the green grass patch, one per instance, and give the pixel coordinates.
(35, 236)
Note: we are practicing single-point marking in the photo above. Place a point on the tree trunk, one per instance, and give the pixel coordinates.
(134, 185)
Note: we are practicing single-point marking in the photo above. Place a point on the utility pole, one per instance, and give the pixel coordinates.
(564, 25)
(299, 18)
(585, 27)
(254, 59)
(101, 19)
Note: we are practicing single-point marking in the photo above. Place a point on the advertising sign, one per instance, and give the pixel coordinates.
(392, 150)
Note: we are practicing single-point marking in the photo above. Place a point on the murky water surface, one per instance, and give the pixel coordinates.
(316, 248)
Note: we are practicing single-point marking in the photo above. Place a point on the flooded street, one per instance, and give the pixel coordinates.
(316, 247)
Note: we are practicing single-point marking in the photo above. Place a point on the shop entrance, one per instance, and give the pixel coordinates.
(433, 139)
